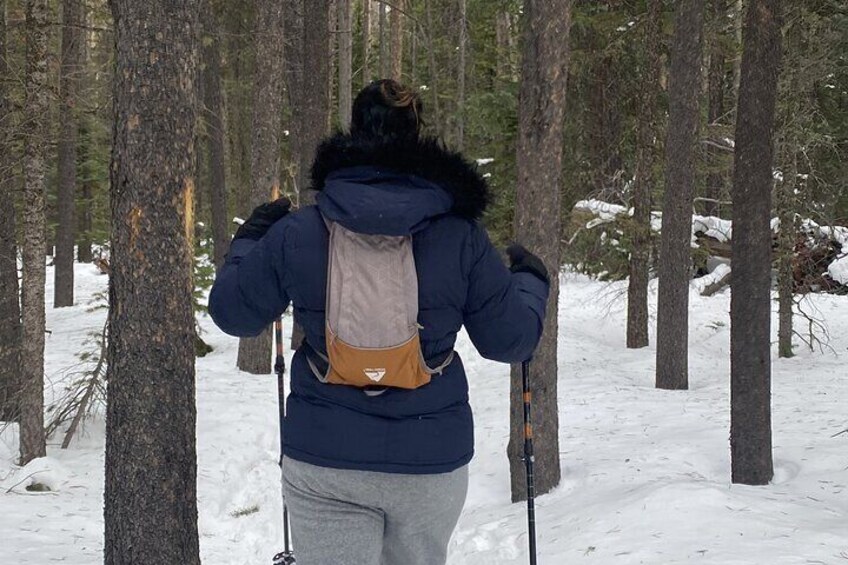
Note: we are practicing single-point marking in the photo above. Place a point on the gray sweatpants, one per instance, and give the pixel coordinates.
(345, 517)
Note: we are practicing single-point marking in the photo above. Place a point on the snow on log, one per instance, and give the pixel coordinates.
(713, 282)
(838, 270)
(820, 260)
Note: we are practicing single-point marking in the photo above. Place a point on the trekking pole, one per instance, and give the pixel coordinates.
(287, 555)
(528, 460)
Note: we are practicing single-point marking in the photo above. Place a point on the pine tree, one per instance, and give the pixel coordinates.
(537, 215)
(314, 116)
(396, 40)
(461, 74)
(254, 354)
(151, 462)
(10, 308)
(345, 13)
(646, 158)
(716, 110)
(385, 64)
(750, 304)
(366, 42)
(71, 67)
(213, 106)
(675, 248)
(36, 108)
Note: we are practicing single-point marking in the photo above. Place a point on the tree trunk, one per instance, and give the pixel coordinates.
(345, 63)
(72, 22)
(315, 72)
(646, 159)
(213, 105)
(537, 216)
(786, 253)
(715, 113)
(750, 303)
(151, 463)
(605, 103)
(461, 71)
(366, 42)
(413, 62)
(502, 34)
(10, 307)
(312, 117)
(294, 88)
(87, 149)
(254, 355)
(396, 33)
(384, 45)
(433, 70)
(238, 107)
(675, 247)
(85, 202)
(36, 108)
(739, 9)
(332, 52)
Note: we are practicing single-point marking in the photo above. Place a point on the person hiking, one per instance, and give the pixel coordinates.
(375, 470)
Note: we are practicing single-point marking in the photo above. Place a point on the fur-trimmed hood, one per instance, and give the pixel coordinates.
(425, 158)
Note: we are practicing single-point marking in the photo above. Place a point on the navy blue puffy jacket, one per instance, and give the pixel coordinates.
(414, 187)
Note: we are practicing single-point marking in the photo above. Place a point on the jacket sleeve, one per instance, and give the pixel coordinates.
(248, 292)
(504, 312)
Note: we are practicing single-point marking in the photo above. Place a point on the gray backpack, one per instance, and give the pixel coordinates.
(372, 312)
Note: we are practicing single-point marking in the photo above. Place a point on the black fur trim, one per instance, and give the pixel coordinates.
(426, 158)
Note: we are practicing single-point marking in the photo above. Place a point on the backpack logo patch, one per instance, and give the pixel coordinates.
(375, 375)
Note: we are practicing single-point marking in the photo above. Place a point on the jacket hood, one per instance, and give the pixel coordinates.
(394, 188)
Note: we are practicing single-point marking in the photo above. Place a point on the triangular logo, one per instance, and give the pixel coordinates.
(375, 375)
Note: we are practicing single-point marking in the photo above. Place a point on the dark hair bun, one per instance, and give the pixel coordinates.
(386, 109)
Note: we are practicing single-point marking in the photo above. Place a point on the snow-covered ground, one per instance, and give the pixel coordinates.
(646, 473)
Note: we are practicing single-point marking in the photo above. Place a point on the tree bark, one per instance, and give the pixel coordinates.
(502, 36)
(254, 355)
(461, 72)
(345, 63)
(396, 33)
(10, 307)
(433, 70)
(537, 216)
(750, 303)
(87, 149)
(151, 463)
(36, 108)
(238, 107)
(366, 42)
(85, 202)
(716, 177)
(385, 65)
(213, 105)
(294, 88)
(413, 57)
(332, 53)
(605, 135)
(311, 118)
(739, 8)
(786, 254)
(72, 22)
(675, 247)
(646, 159)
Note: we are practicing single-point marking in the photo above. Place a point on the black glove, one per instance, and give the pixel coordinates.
(262, 218)
(522, 261)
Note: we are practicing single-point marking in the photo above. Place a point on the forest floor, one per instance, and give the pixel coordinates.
(646, 473)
